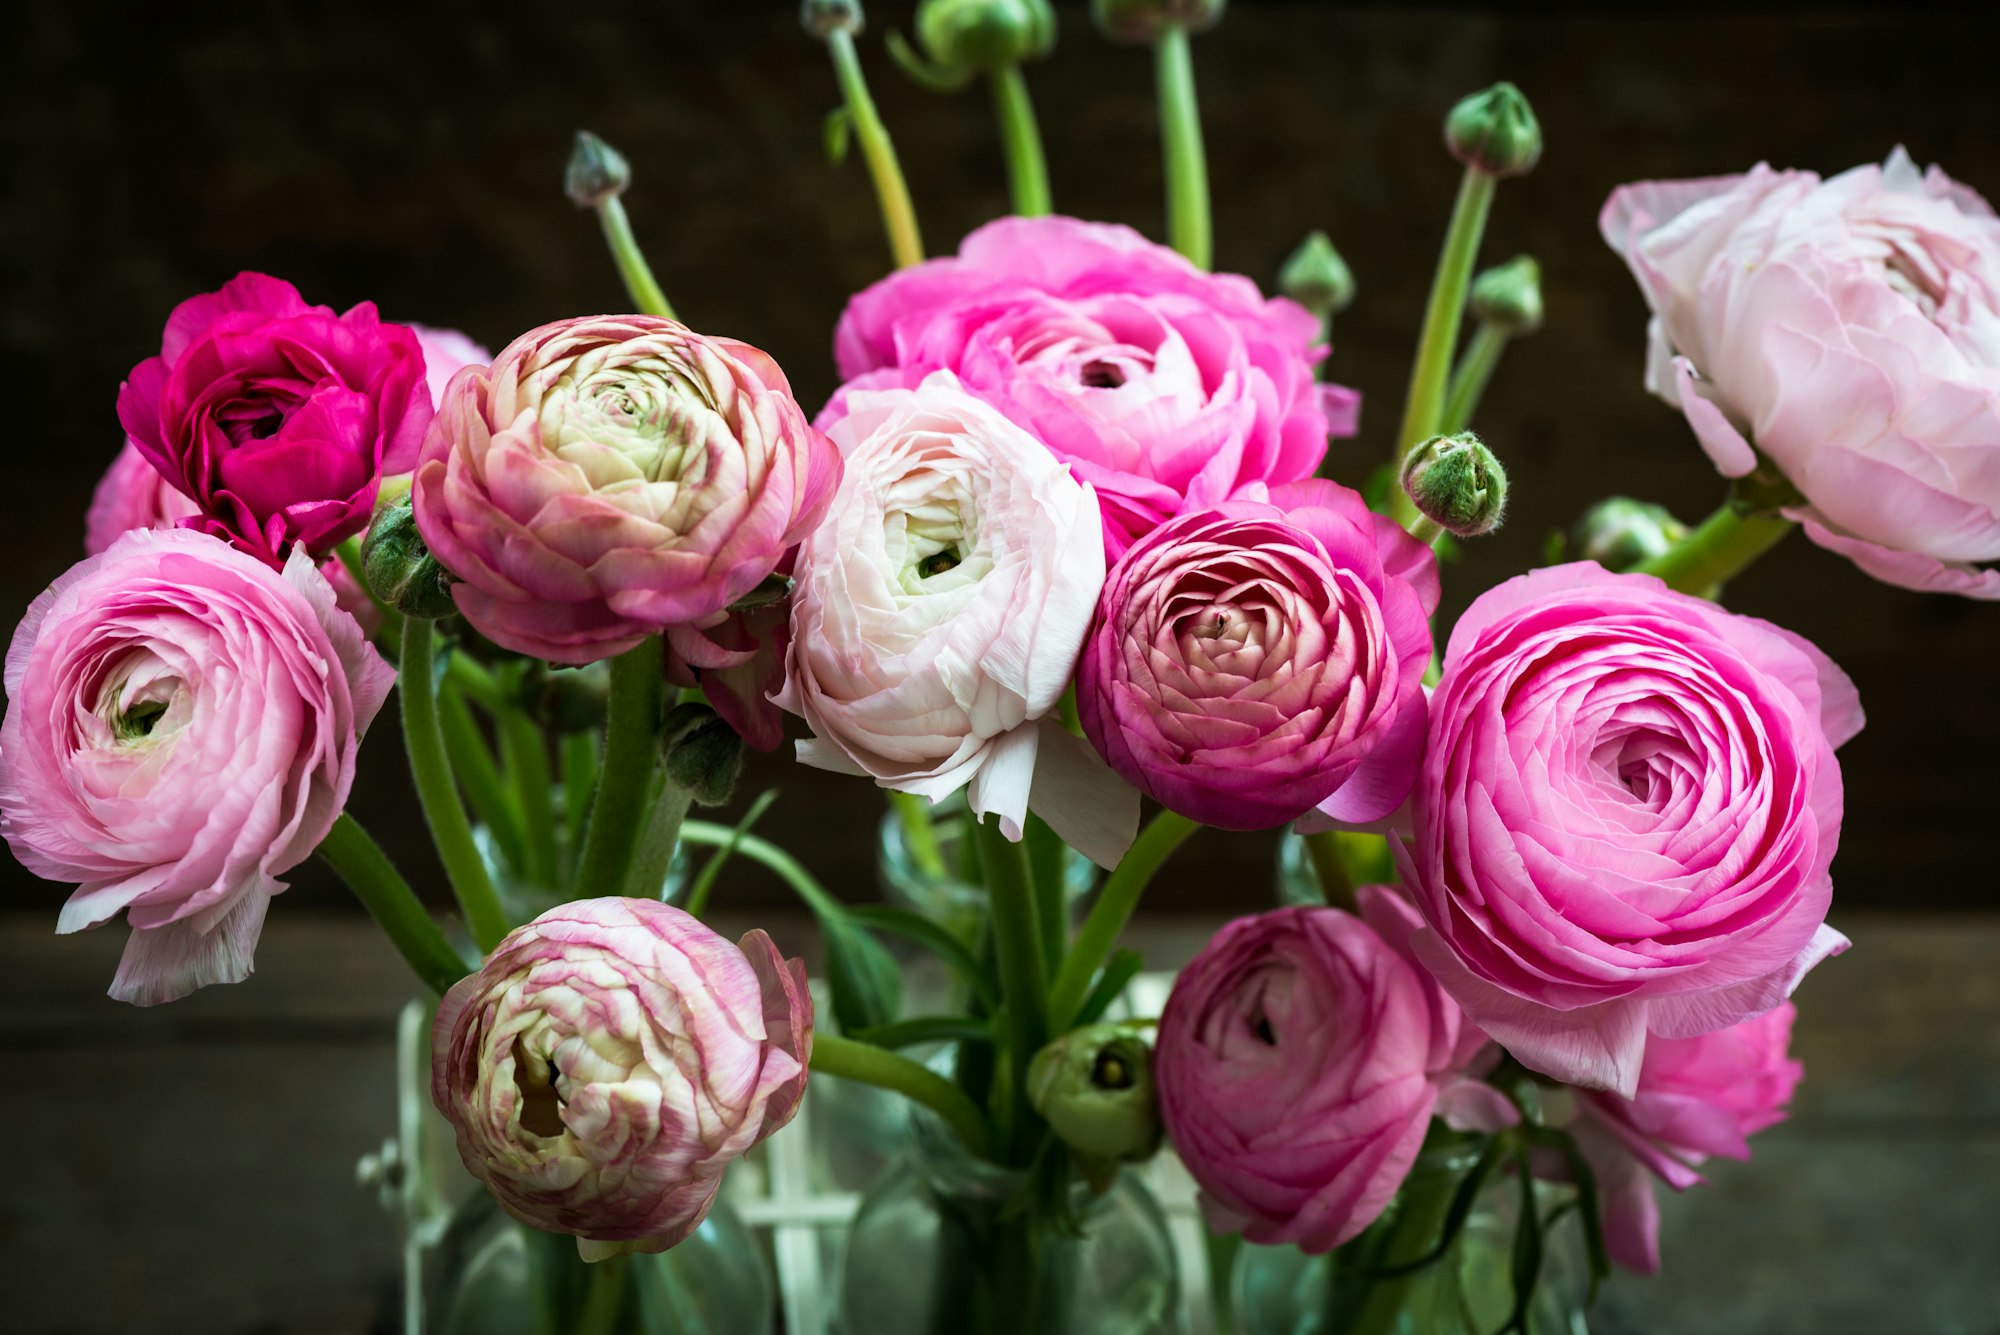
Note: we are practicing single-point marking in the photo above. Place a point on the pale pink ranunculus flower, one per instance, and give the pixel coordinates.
(612, 476)
(1168, 389)
(1624, 823)
(446, 352)
(610, 1060)
(181, 730)
(132, 494)
(938, 612)
(1849, 330)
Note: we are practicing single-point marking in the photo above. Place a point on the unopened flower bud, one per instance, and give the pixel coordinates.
(596, 172)
(1457, 483)
(1619, 533)
(400, 569)
(824, 18)
(1095, 1088)
(1145, 20)
(1509, 296)
(986, 34)
(567, 699)
(1495, 131)
(1317, 278)
(703, 753)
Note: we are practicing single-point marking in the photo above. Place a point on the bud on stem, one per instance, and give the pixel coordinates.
(1095, 1088)
(1318, 278)
(1457, 484)
(1495, 132)
(596, 176)
(399, 568)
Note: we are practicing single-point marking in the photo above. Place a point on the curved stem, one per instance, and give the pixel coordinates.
(1115, 902)
(625, 784)
(437, 792)
(1470, 378)
(359, 860)
(762, 851)
(899, 215)
(1188, 221)
(1021, 139)
(843, 1057)
(1334, 883)
(1721, 547)
(1017, 946)
(640, 284)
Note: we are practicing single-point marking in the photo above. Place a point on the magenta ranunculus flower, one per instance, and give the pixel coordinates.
(1848, 329)
(1256, 661)
(612, 476)
(278, 419)
(610, 1060)
(181, 730)
(1299, 1061)
(1628, 805)
(1167, 389)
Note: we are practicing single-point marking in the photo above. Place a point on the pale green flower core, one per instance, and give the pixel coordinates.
(637, 421)
(930, 527)
(138, 702)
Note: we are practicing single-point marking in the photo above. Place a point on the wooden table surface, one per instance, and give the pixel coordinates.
(191, 1168)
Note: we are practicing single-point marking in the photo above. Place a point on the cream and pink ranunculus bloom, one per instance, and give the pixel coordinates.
(1166, 388)
(1262, 660)
(181, 730)
(1848, 330)
(610, 477)
(610, 1060)
(1623, 826)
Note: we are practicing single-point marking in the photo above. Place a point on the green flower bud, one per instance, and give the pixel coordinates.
(1145, 20)
(1317, 278)
(703, 754)
(1095, 1088)
(567, 699)
(824, 18)
(1619, 532)
(400, 569)
(1457, 483)
(596, 172)
(1495, 131)
(1509, 296)
(986, 34)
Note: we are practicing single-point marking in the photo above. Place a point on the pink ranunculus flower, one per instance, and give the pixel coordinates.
(1254, 662)
(1299, 1061)
(1623, 825)
(612, 476)
(938, 613)
(1168, 389)
(278, 419)
(181, 730)
(446, 352)
(611, 1060)
(1848, 329)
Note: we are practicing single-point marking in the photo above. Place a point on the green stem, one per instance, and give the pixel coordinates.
(762, 851)
(603, 1297)
(625, 784)
(1188, 222)
(844, 1057)
(1470, 378)
(654, 857)
(1021, 139)
(579, 767)
(359, 860)
(1423, 409)
(1017, 944)
(1722, 546)
(899, 215)
(527, 758)
(640, 284)
(919, 834)
(1115, 902)
(1420, 1211)
(479, 776)
(430, 769)
(1331, 868)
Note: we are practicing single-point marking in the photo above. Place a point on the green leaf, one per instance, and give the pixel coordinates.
(867, 986)
(837, 130)
(1588, 1204)
(915, 927)
(1119, 971)
(704, 884)
(926, 1029)
(1527, 1266)
(1460, 1209)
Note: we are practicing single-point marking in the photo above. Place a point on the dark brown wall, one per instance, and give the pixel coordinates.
(411, 154)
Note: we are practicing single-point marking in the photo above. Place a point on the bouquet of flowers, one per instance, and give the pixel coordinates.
(1059, 570)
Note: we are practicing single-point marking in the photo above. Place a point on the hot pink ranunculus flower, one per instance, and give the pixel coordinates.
(1847, 329)
(612, 476)
(1623, 825)
(1168, 389)
(181, 730)
(1254, 662)
(278, 419)
(611, 1059)
(1299, 1061)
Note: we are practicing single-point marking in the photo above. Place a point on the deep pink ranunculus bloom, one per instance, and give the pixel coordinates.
(611, 1059)
(278, 419)
(1256, 661)
(1623, 826)
(609, 477)
(1166, 388)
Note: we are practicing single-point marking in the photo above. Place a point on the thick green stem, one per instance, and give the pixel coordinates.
(899, 215)
(843, 1057)
(603, 1298)
(1188, 222)
(1115, 902)
(1469, 380)
(1021, 140)
(654, 857)
(430, 769)
(625, 784)
(1724, 544)
(472, 762)
(640, 284)
(1331, 868)
(360, 861)
(919, 834)
(1017, 944)
(527, 759)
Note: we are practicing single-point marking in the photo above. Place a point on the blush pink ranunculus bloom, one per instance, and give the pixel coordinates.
(938, 613)
(610, 1060)
(1264, 659)
(612, 476)
(1623, 826)
(132, 494)
(1166, 388)
(276, 418)
(1300, 1059)
(1849, 330)
(181, 730)
(446, 352)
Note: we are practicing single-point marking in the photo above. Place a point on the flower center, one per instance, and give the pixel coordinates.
(541, 1105)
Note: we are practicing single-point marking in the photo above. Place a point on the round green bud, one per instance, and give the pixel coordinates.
(1509, 296)
(1619, 533)
(1457, 483)
(1317, 278)
(1145, 20)
(986, 35)
(1495, 132)
(702, 752)
(400, 569)
(596, 172)
(1094, 1086)
(824, 18)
